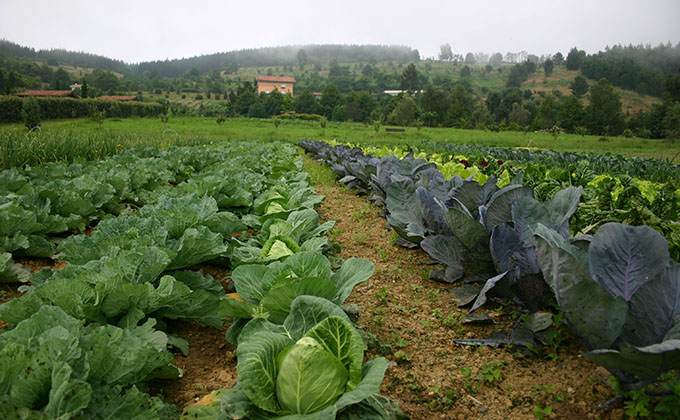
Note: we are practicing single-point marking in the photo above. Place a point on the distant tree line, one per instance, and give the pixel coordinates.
(352, 79)
(643, 69)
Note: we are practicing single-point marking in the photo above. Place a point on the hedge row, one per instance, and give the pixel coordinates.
(53, 108)
(303, 117)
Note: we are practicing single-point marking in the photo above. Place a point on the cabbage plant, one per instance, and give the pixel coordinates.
(620, 292)
(266, 292)
(314, 374)
(279, 239)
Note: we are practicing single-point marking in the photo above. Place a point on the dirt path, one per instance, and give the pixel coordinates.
(430, 375)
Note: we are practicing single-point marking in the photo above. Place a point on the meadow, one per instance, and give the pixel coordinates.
(65, 140)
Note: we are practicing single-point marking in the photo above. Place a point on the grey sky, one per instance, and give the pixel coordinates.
(143, 30)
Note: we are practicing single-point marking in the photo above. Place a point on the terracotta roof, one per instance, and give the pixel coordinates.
(59, 93)
(118, 97)
(283, 79)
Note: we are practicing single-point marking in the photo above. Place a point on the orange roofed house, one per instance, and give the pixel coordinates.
(267, 84)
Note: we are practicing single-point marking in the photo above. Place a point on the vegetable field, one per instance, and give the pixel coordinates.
(234, 281)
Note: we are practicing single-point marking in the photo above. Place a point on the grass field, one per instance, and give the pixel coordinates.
(68, 139)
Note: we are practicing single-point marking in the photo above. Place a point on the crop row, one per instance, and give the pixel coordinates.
(606, 197)
(82, 339)
(618, 289)
(598, 163)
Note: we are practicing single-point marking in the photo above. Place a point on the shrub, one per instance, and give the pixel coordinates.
(53, 108)
(257, 111)
(30, 113)
(627, 133)
(304, 117)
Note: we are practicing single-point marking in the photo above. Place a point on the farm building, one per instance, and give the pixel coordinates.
(49, 93)
(267, 84)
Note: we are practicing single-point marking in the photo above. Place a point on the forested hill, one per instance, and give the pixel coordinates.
(282, 56)
(62, 57)
(643, 69)
(273, 56)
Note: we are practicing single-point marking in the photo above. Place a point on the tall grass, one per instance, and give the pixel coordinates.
(19, 148)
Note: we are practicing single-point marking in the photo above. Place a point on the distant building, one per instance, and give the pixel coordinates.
(76, 86)
(267, 84)
(49, 93)
(118, 97)
(397, 92)
(317, 95)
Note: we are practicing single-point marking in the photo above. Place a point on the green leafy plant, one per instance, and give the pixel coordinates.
(619, 291)
(273, 288)
(30, 113)
(491, 371)
(315, 373)
(542, 412)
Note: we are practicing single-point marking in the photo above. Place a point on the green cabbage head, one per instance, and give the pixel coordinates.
(310, 378)
(316, 375)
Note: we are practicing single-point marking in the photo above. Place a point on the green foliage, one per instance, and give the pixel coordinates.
(404, 113)
(603, 114)
(410, 79)
(301, 117)
(58, 108)
(53, 366)
(257, 110)
(306, 103)
(575, 59)
(548, 66)
(30, 113)
(579, 86)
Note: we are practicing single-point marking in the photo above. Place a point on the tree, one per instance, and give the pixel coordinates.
(330, 99)
(518, 115)
(579, 86)
(671, 120)
(672, 87)
(302, 58)
(245, 98)
(435, 101)
(273, 103)
(465, 71)
(61, 80)
(575, 59)
(461, 108)
(306, 103)
(548, 66)
(83, 89)
(571, 114)
(558, 58)
(105, 81)
(603, 114)
(409, 78)
(470, 58)
(445, 53)
(547, 113)
(404, 113)
(496, 59)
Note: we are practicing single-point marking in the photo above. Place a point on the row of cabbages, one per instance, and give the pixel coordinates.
(81, 340)
(618, 289)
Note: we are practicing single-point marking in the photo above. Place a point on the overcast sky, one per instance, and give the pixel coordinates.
(144, 30)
